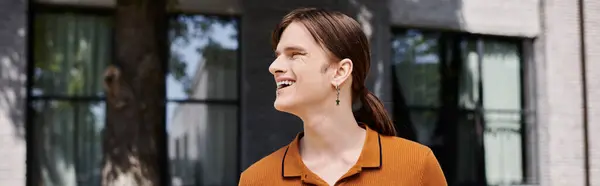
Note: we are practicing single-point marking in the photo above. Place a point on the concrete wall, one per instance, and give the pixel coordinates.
(592, 29)
(12, 91)
(493, 17)
(560, 113)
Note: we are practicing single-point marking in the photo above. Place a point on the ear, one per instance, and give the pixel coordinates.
(342, 72)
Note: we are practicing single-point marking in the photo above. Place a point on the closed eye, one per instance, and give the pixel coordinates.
(295, 55)
(291, 52)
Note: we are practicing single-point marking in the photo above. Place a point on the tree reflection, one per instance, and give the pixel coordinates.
(196, 31)
(70, 51)
(416, 83)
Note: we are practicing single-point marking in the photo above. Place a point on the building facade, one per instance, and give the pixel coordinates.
(504, 92)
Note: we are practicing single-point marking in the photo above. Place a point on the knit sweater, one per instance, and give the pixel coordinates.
(384, 160)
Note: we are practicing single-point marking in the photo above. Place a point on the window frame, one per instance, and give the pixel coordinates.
(528, 132)
(36, 8)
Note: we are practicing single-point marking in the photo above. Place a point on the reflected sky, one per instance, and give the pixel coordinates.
(218, 33)
(99, 111)
(420, 46)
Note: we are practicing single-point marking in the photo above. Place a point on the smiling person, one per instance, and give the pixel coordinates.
(323, 59)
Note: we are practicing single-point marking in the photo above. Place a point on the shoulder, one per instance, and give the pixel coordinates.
(266, 169)
(393, 144)
(409, 155)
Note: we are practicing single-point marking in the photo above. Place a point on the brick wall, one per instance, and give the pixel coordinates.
(560, 112)
(592, 29)
(12, 92)
(560, 101)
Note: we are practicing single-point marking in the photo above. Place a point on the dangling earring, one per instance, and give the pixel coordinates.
(337, 101)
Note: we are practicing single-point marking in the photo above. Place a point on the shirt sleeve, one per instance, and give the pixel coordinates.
(432, 172)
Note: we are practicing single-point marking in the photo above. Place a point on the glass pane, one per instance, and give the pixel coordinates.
(469, 80)
(424, 122)
(68, 142)
(202, 144)
(203, 60)
(70, 54)
(503, 148)
(469, 150)
(501, 76)
(416, 67)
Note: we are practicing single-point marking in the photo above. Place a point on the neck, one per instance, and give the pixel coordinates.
(331, 132)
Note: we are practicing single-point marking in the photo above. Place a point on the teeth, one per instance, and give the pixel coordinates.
(281, 83)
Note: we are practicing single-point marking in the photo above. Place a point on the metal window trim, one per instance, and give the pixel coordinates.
(528, 135)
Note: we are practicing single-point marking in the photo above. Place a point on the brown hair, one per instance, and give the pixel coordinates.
(343, 37)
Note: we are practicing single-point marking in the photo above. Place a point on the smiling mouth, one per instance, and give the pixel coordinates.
(283, 84)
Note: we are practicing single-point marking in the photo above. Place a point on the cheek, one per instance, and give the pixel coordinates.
(314, 82)
(310, 77)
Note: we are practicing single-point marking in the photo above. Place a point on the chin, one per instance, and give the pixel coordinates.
(286, 105)
(282, 105)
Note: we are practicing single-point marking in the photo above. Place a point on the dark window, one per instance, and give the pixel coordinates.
(461, 95)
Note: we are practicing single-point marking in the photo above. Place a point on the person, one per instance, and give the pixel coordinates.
(322, 61)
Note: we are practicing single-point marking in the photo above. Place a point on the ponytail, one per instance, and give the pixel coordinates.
(374, 115)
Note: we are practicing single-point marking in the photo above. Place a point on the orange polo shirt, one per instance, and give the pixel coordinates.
(384, 160)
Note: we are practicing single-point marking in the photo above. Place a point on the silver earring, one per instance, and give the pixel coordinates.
(337, 101)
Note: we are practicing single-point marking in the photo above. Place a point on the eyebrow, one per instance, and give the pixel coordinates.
(291, 48)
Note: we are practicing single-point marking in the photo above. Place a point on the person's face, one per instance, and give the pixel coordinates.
(301, 71)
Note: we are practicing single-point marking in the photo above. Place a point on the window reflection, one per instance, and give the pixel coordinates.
(203, 144)
(416, 83)
(416, 66)
(68, 142)
(502, 100)
(501, 75)
(202, 86)
(203, 58)
(469, 79)
(469, 151)
(425, 122)
(70, 54)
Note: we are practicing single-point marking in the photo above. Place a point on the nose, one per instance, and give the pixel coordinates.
(277, 67)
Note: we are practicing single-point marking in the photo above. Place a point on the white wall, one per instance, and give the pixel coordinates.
(559, 109)
(592, 29)
(12, 91)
